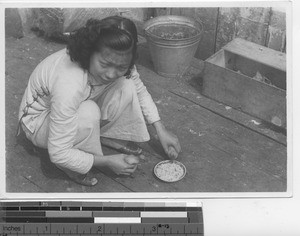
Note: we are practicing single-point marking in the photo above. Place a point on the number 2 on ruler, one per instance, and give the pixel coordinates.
(99, 230)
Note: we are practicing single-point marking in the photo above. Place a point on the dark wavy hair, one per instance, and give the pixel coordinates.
(114, 32)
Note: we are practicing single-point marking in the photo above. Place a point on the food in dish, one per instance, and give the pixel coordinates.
(170, 171)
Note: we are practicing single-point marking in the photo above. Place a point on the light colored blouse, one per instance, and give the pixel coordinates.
(58, 85)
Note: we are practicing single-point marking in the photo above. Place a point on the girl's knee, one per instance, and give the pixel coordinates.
(127, 88)
(89, 111)
(88, 130)
(120, 95)
(127, 85)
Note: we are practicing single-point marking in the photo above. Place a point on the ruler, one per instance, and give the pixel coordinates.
(100, 218)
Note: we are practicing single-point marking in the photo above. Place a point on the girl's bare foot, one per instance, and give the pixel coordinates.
(83, 179)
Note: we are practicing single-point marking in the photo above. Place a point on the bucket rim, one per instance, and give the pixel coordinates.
(160, 20)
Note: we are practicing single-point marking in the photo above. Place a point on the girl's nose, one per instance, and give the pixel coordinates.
(111, 74)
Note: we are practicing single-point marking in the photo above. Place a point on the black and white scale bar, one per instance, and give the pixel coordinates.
(101, 216)
(99, 206)
(109, 229)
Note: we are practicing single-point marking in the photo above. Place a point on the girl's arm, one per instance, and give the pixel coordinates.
(147, 104)
(66, 98)
(168, 140)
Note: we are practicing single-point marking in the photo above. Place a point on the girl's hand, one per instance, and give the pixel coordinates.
(168, 140)
(122, 164)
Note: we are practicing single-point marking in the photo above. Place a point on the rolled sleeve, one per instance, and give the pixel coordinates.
(147, 104)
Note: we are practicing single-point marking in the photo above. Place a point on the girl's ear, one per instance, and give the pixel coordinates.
(128, 73)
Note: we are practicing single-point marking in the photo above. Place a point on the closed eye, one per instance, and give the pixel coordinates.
(123, 68)
(104, 65)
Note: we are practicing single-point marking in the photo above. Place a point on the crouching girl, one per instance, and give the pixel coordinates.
(92, 92)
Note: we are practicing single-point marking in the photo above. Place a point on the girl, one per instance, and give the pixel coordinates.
(90, 90)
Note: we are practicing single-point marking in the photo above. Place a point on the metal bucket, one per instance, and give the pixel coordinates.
(173, 41)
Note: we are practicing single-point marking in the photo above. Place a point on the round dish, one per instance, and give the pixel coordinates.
(169, 171)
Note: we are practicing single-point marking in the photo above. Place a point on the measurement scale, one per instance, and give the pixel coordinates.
(100, 218)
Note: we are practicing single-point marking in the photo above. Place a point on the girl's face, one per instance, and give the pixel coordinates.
(108, 65)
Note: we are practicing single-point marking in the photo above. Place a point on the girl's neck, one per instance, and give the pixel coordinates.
(93, 81)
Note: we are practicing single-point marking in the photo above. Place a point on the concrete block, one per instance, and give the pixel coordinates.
(256, 14)
(75, 18)
(209, 18)
(48, 21)
(226, 26)
(277, 31)
(251, 31)
(13, 23)
(27, 19)
(138, 16)
(250, 23)
(276, 39)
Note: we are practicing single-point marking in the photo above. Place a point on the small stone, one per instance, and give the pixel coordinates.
(276, 121)
(255, 122)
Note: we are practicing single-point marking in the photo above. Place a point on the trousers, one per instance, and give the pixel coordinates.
(112, 112)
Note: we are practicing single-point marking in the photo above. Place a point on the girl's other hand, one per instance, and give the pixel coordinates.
(122, 164)
(172, 153)
(168, 140)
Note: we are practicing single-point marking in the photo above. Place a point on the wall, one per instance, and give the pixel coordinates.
(52, 22)
(264, 26)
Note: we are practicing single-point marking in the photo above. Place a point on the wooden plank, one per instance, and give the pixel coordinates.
(46, 177)
(217, 59)
(210, 169)
(219, 154)
(216, 170)
(18, 183)
(213, 120)
(216, 140)
(250, 68)
(241, 92)
(190, 85)
(257, 53)
(34, 174)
